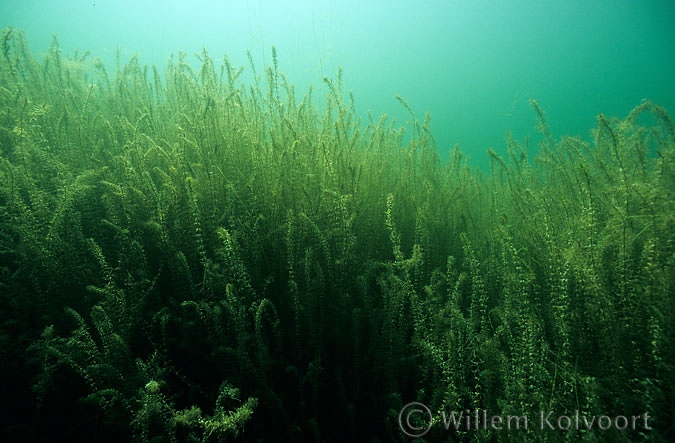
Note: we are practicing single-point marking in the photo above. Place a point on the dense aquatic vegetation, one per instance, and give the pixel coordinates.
(188, 257)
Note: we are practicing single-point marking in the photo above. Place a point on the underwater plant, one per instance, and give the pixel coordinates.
(188, 257)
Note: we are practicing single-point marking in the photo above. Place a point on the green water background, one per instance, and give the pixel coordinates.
(472, 64)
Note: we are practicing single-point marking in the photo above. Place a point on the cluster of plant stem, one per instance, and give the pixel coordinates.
(186, 257)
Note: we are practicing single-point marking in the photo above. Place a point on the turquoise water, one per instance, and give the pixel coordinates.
(191, 256)
(472, 64)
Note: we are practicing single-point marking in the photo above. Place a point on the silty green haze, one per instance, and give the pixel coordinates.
(191, 253)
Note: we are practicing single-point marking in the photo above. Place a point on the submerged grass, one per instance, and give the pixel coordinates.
(185, 257)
